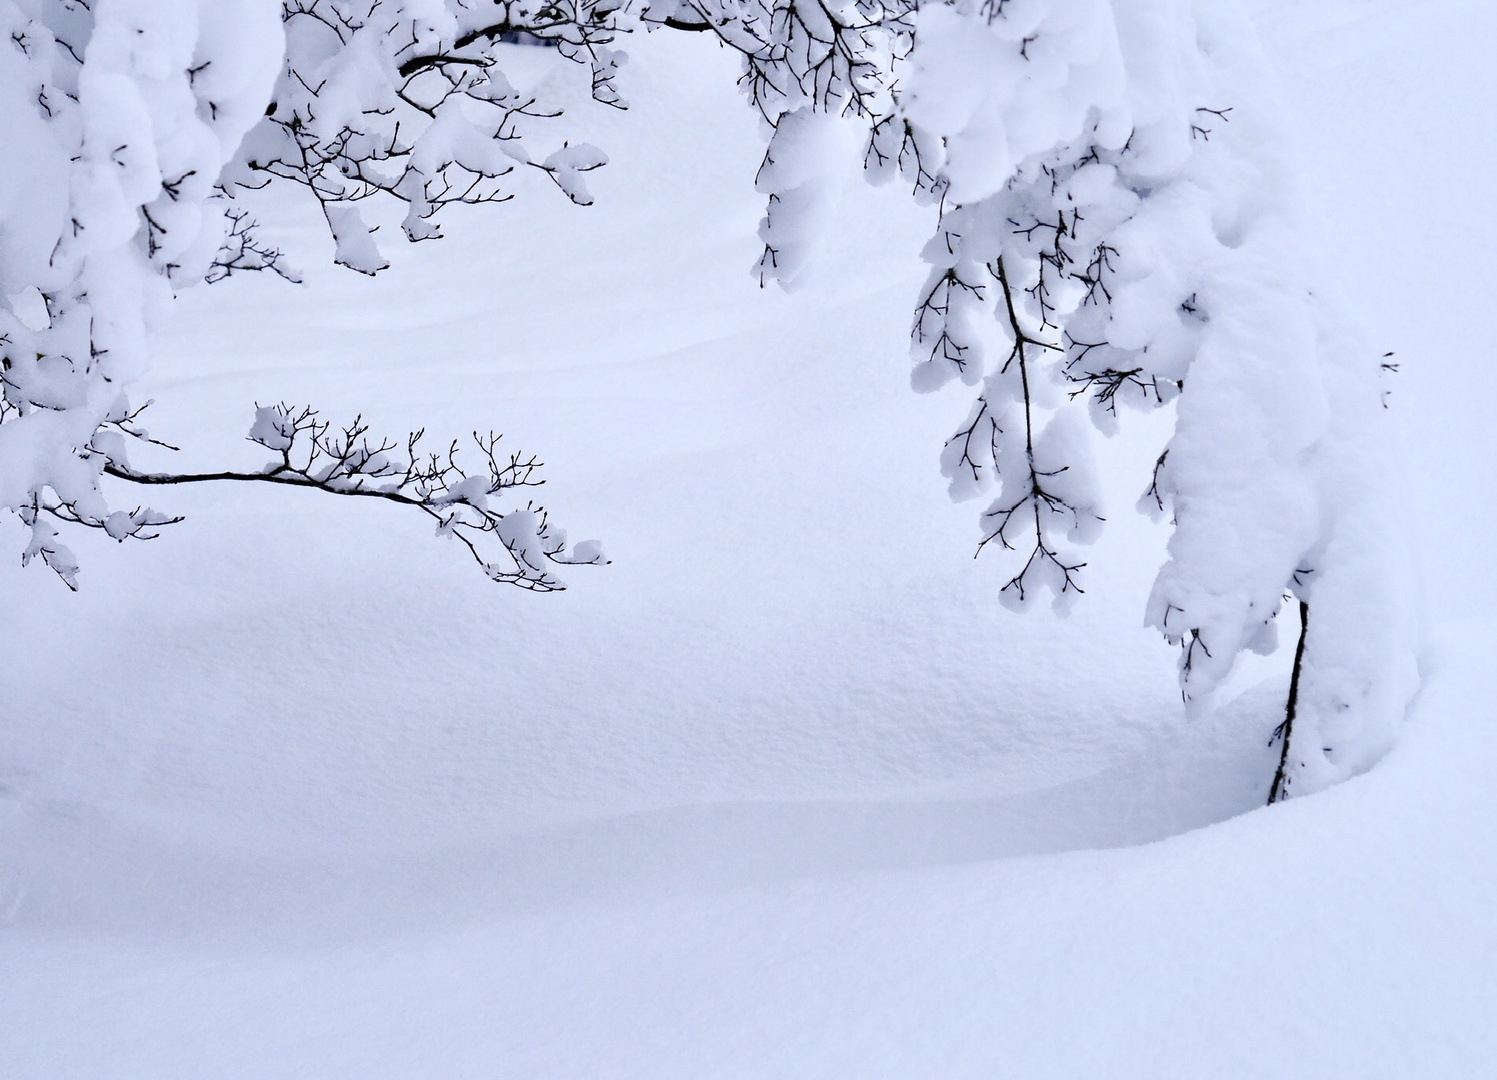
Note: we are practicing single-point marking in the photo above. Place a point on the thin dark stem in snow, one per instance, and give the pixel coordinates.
(1280, 787)
(933, 318)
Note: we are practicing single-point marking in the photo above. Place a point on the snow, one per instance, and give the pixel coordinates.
(782, 791)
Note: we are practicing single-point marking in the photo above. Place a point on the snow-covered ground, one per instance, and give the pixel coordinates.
(782, 791)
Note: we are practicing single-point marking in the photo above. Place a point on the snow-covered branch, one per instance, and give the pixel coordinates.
(117, 118)
(313, 453)
(1115, 189)
(408, 101)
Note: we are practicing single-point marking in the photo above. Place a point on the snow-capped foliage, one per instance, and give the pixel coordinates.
(1115, 193)
(117, 118)
(407, 100)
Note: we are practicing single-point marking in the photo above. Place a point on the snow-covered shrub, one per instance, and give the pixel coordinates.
(1114, 186)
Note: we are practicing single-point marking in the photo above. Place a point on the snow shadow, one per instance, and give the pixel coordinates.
(78, 869)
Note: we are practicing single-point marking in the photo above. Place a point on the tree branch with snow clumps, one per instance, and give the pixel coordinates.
(118, 117)
(1114, 188)
(312, 453)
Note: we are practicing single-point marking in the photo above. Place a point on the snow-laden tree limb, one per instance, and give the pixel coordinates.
(405, 100)
(312, 453)
(1115, 188)
(117, 117)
